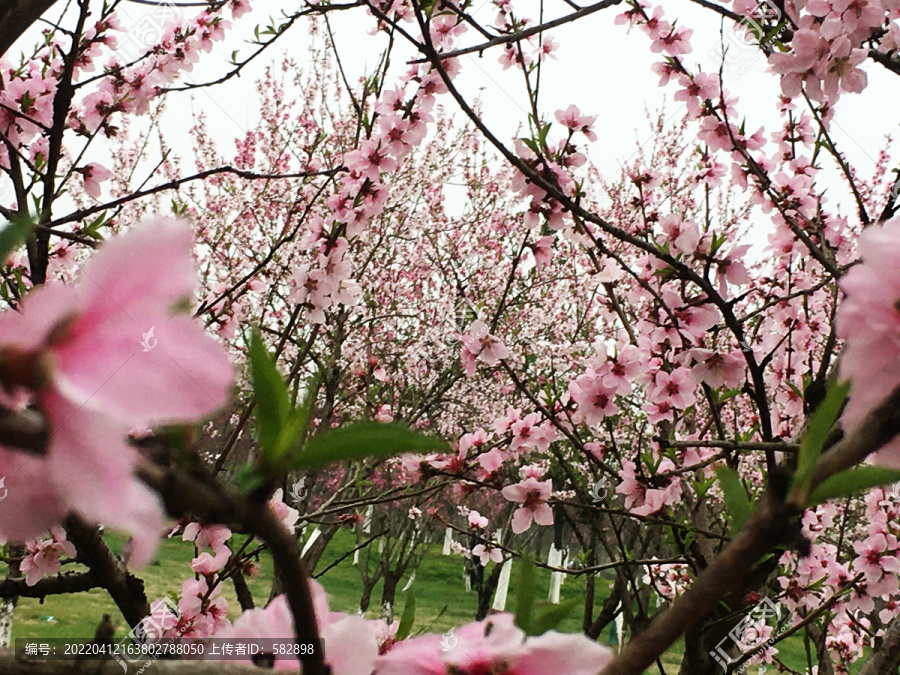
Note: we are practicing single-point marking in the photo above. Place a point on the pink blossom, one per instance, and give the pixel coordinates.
(644, 501)
(209, 536)
(94, 174)
(572, 118)
(477, 521)
(203, 613)
(239, 8)
(717, 369)
(208, 564)
(42, 557)
(595, 399)
(206, 536)
(543, 251)
(78, 350)
(869, 321)
(532, 495)
(486, 553)
(336, 629)
(479, 344)
(287, 515)
(495, 645)
(676, 388)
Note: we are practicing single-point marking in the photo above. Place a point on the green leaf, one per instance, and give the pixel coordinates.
(854, 480)
(542, 136)
(248, 478)
(364, 439)
(408, 618)
(736, 501)
(525, 589)
(12, 236)
(273, 405)
(820, 425)
(550, 617)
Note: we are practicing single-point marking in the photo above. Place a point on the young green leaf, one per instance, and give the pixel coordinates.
(550, 616)
(819, 427)
(364, 439)
(12, 235)
(273, 404)
(525, 590)
(248, 478)
(854, 480)
(736, 500)
(408, 617)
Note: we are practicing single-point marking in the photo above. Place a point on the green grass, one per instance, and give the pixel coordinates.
(441, 599)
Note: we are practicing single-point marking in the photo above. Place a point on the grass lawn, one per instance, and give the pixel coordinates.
(441, 599)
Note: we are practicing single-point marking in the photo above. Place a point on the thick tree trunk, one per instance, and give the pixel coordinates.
(8, 604)
(886, 657)
(486, 591)
(608, 611)
(388, 593)
(365, 600)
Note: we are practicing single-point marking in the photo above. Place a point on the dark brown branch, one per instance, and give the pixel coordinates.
(889, 62)
(534, 30)
(172, 184)
(126, 590)
(775, 522)
(71, 582)
(16, 16)
(208, 501)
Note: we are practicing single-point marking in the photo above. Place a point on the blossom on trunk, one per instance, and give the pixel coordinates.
(42, 557)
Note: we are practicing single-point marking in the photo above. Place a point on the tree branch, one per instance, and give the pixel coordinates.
(775, 522)
(16, 16)
(211, 502)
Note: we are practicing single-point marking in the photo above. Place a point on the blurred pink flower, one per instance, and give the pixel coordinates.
(282, 511)
(495, 645)
(338, 631)
(78, 351)
(869, 321)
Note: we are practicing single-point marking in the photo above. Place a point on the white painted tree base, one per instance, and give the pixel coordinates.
(502, 587)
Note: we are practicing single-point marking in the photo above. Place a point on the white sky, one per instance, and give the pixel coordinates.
(599, 67)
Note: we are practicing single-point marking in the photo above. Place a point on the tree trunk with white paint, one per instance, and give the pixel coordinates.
(554, 559)
(7, 612)
(502, 587)
(312, 540)
(448, 539)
